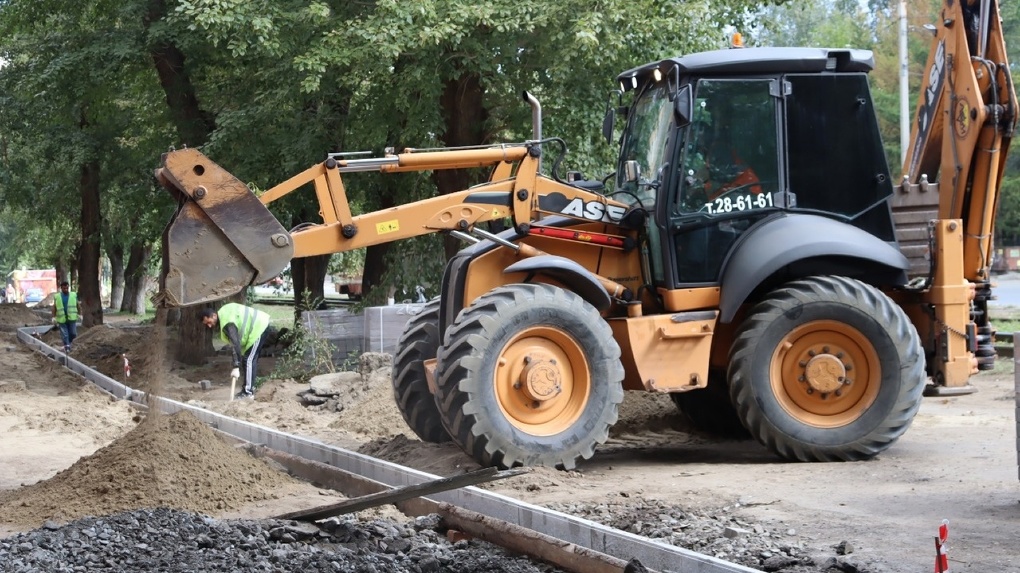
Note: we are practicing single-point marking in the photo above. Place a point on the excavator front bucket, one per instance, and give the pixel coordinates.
(221, 239)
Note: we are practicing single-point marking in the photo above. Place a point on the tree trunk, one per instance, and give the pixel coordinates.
(297, 279)
(116, 255)
(193, 128)
(90, 250)
(465, 114)
(193, 123)
(315, 277)
(375, 266)
(63, 273)
(136, 279)
(308, 275)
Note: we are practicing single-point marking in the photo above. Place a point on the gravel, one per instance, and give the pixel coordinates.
(171, 541)
(721, 534)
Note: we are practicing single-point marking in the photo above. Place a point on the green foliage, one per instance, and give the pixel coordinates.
(821, 23)
(1008, 220)
(285, 82)
(305, 356)
(74, 83)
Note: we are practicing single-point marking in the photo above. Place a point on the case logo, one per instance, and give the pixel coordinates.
(594, 211)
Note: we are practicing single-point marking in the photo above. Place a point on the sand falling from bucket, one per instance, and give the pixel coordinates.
(157, 373)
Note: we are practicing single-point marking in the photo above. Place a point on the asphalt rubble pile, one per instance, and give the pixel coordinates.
(173, 541)
(721, 534)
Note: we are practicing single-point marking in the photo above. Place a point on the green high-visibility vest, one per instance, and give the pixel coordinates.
(69, 314)
(250, 323)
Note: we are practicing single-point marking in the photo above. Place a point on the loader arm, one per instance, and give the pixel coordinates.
(964, 122)
(223, 238)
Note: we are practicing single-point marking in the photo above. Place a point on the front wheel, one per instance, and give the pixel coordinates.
(419, 342)
(827, 369)
(529, 374)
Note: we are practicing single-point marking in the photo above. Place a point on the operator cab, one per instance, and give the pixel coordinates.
(718, 142)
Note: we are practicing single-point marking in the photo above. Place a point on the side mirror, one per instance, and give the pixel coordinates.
(608, 122)
(683, 106)
(631, 171)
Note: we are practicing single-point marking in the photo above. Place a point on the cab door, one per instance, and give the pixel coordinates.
(729, 176)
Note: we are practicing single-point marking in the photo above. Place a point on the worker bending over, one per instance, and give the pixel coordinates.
(247, 330)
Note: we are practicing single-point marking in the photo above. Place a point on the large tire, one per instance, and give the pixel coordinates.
(529, 374)
(710, 409)
(419, 342)
(827, 369)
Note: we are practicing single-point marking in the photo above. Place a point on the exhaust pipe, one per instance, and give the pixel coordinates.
(536, 120)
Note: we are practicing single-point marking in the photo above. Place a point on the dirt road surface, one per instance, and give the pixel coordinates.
(956, 462)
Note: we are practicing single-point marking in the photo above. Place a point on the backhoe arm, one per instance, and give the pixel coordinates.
(952, 173)
(966, 115)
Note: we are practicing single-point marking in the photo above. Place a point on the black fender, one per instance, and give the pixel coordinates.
(579, 279)
(776, 243)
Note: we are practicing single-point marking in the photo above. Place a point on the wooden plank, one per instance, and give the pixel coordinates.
(402, 493)
(562, 554)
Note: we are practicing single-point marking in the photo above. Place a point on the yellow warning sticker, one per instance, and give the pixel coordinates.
(387, 227)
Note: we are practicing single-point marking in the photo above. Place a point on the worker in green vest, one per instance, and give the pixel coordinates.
(65, 314)
(246, 330)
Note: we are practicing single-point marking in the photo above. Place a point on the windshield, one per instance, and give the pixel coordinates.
(646, 140)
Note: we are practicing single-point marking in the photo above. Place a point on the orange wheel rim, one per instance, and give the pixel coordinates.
(542, 381)
(825, 374)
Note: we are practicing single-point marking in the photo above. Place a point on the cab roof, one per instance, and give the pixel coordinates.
(748, 61)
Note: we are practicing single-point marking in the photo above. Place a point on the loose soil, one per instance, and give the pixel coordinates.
(956, 462)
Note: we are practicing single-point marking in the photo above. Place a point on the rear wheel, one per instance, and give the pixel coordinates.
(827, 369)
(418, 343)
(710, 409)
(529, 375)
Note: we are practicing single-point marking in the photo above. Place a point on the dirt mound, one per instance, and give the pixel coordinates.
(103, 347)
(166, 461)
(441, 459)
(16, 315)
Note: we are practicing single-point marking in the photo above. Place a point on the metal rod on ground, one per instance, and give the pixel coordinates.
(562, 554)
(402, 493)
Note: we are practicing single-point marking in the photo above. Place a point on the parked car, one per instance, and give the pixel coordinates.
(34, 295)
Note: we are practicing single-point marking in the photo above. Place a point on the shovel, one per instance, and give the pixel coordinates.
(233, 383)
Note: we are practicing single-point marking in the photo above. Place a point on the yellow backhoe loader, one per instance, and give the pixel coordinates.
(754, 256)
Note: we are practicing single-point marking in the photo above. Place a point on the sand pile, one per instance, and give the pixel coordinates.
(166, 461)
(93, 412)
(16, 315)
(103, 347)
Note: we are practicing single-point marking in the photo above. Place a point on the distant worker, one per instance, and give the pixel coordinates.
(247, 330)
(65, 314)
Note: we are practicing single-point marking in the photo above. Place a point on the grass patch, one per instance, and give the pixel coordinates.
(280, 315)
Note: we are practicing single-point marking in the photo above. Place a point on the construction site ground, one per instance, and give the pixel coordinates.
(956, 462)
